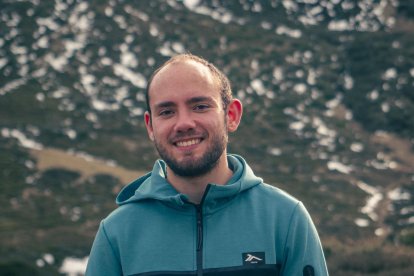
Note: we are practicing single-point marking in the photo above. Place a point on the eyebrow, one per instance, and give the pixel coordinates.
(189, 101)
(199, 99)
(164, 104)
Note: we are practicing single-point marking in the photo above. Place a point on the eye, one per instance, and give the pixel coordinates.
(201, 107)
(165, 113)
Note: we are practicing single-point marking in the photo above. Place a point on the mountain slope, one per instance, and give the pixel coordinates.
(327, 88)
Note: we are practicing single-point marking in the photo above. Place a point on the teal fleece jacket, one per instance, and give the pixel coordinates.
(245, 227)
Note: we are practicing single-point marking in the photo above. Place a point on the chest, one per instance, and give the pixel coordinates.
(235, 239)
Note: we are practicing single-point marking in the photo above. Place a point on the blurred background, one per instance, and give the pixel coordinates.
(328, 92)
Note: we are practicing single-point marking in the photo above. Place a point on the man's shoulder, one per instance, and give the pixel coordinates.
(273, 195)
(124, 214)
(273, 203)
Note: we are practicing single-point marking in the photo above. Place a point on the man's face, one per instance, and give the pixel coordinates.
(187, 121)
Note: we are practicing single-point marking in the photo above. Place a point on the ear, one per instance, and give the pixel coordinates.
(148, 125)
(234, 114)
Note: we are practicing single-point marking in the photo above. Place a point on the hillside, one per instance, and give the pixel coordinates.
(328, 95)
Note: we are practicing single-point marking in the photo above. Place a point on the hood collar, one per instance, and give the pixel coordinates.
(154, 186)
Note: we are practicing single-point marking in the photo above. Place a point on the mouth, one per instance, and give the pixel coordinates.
(188, 142)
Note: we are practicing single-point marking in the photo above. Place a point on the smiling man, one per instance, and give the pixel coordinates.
(202, 211)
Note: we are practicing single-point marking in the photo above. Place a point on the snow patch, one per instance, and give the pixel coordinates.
(372, 202)
(74, 266)
(337, 166)
(398, 194)
(21, 138)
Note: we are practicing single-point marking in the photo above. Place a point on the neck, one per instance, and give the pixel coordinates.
(194, 187)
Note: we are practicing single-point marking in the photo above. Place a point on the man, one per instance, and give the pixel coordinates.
(201, 211)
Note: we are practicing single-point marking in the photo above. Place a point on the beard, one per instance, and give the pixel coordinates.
(195, 167)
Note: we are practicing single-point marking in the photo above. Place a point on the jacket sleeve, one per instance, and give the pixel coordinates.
(303, 250)
(103, 260)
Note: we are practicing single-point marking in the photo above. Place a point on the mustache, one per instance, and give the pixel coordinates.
(187, 134)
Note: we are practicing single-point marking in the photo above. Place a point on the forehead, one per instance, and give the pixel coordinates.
(182, 78)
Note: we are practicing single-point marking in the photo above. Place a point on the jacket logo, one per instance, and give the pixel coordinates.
(250, 258)
(253, 258)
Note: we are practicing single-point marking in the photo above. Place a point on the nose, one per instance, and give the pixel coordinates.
(184, 122)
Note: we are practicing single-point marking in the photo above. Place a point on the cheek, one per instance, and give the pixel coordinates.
(161, 130)
(217, 125)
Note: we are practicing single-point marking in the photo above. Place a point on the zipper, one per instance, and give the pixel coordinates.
(200, 241)
(199, 211)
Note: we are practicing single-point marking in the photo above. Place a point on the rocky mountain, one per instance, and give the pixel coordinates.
(328, 92)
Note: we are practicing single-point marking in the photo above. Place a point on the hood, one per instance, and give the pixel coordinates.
(154, 186)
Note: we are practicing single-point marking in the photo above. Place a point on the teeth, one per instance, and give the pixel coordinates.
(188, 143)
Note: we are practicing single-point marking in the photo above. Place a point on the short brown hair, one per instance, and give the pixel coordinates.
(223, 81)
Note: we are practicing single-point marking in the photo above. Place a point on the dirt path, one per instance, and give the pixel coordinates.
(87, 166)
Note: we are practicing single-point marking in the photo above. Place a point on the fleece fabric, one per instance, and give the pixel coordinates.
(245, 227)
